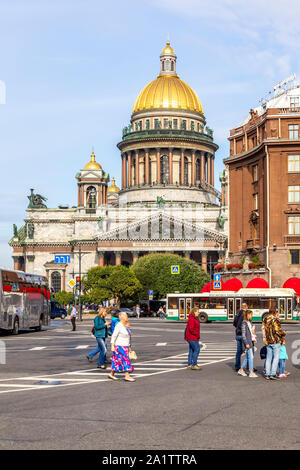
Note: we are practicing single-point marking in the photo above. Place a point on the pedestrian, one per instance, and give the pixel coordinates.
(237, 323)
(273, 336)
(138, 311)
(192, 336)
(99, 330)
(73, 317)
(282, 358)
(249, 338)
(161, 313)
(120, 345)
(114, 320)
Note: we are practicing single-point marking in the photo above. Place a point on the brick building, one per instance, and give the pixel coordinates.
(264, 190)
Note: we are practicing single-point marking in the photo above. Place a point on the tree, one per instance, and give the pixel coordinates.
(64, 297)
(105, 282)
(154, 272)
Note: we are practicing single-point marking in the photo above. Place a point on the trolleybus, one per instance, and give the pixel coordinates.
(223, 305)
(24, 301)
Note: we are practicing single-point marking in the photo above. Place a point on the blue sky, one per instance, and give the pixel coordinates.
(73, 68)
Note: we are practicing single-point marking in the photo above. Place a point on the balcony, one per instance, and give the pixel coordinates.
(167, 133)
(292, 239)
(252, 244)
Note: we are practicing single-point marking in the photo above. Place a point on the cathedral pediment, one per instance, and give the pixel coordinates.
(161, 226)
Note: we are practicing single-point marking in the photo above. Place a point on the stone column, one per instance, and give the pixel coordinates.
(208, 168)
(123, 170)
(129, 169)
(212, 170)
(137, 168)
(64, 279)
(147, 172)
(100, 195)
(193, 168)
(158, 165)
(182, 166)
(187, 254)
(118, 255)
(171, 166)
(204, 260)
(202, 167)
(16, 263)
(100, 258)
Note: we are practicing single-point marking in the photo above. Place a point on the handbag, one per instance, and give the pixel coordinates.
(93, 330)
(132, 355)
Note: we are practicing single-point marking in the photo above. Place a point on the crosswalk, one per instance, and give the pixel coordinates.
(210, 353)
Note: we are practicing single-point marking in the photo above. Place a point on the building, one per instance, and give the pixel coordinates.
(264, 190)
(167, 201)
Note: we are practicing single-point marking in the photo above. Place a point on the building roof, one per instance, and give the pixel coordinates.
(92, 164)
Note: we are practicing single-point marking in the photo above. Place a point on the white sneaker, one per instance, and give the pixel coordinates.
(252, 374)
(242, 372)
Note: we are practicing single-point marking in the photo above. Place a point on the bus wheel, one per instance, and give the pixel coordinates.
(203, 318)
(15, 330)
(38, 328)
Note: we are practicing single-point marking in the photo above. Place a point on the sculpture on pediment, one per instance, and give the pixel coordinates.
(36, 201)
(253, 114)
(160, 202)
(221, 221)
(100, 223)
(30, 230)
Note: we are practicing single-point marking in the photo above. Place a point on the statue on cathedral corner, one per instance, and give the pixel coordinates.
(100, 223)
(160, 202)
(36, 201)
(221, 221)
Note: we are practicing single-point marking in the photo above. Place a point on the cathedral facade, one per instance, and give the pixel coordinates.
(167, 202)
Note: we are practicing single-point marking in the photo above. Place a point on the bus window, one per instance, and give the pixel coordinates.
(203, 303)
(217, 303)
(281, 308)
(173, 305)
(188, 306)
(289, 308)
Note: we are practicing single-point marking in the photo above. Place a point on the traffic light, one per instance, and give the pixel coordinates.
(78, 283)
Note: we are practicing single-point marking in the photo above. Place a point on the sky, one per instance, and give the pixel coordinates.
(73, 68)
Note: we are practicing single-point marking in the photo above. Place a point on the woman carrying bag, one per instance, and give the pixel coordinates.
(120, 346)
(249, 338)
(99, 331)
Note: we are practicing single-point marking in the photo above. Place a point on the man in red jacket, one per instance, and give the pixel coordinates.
(192, 336)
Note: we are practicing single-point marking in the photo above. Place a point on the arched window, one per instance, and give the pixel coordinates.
(91, 197)
(56, 281)
(164, 169)
(198, 170)
(167, 65)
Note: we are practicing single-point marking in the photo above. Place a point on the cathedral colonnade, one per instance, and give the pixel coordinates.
(171, 166)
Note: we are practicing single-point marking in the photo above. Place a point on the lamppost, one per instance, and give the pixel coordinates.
(73, 244)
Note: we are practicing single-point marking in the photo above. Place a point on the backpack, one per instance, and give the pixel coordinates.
(263, 352)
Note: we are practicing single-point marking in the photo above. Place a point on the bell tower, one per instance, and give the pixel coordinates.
(92, 186)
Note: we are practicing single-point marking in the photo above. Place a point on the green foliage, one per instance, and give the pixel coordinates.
(154, 272)
(255, 259)
(105, 282)
(64, 297)
(243, 260)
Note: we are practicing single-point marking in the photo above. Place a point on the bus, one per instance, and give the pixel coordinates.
(223, 305)
(24, 301)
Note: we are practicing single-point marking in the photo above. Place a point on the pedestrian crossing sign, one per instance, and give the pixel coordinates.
(217, 285)
(175, 269)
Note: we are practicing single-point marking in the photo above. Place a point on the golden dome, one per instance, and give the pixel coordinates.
(113, 188)
(167, 49)
(167, 92)
(92, 165)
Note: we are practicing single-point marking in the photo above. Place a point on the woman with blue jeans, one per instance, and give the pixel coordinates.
(100, 333)
(248, 343)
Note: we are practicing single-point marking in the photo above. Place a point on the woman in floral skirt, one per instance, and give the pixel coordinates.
(120, 344)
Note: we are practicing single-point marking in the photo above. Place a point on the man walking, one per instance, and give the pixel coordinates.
(273, 336)
(73, 317)
(237, 323)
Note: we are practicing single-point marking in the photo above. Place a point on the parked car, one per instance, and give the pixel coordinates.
(149, 308)
(57, 311)
(130, 312)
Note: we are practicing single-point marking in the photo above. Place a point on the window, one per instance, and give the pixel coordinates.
(294, 102)
(255, 172)
(255, 201)
(173, 303)
(156, 123)
(183, 124)
(166, 123)
(175, 123)
(141, 125)
(294, 225)
(56, 281)
(293, 131)
(167, 65)
(164, 169)
(91, 197)
(147, 124)
(293, 163)
(294, 256)
(294, 194)
(172, 66)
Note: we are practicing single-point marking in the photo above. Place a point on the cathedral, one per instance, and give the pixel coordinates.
(167, 202)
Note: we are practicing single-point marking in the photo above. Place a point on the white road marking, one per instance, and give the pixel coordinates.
(83, 346)
(38, 348)
(161, 344)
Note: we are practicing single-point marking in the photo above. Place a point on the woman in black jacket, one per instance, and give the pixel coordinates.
(248, 342)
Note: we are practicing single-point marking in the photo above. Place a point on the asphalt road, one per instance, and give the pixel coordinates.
(52, 398)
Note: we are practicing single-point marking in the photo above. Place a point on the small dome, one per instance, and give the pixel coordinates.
(168, 49)
(113, 188)
(92, 165)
